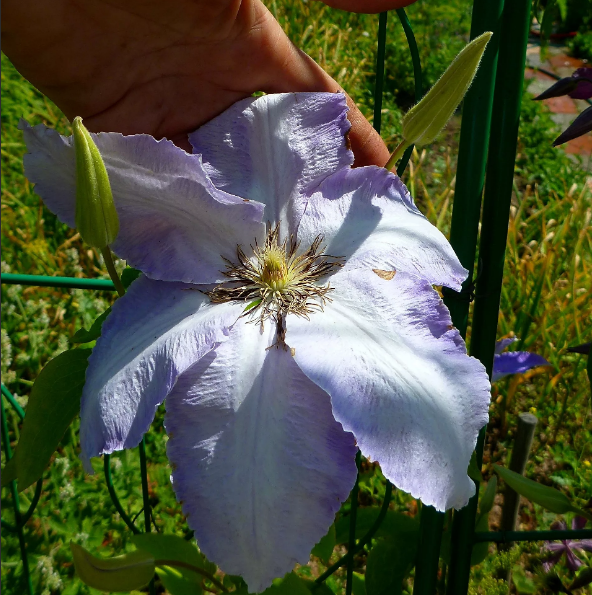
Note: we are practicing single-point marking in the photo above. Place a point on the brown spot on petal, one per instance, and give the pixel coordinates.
(347, 141)
(246, 200)
(293, 351)
(386, 275)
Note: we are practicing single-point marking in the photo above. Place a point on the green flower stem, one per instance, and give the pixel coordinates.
(145, 497)
(366, 539)
(396, 155)
(16, 504)
(201, 571)
(351, 545)
(113, 494)
(106, 252)
(19, 410)
(34, 502)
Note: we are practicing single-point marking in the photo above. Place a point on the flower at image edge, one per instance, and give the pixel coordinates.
(287, 315)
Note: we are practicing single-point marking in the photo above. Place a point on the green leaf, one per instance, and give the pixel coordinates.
(480, 549)
(9, 472)
(488, 498)
(473, 471)
(392, 524)
(178, 581)
(422, 123)
(522, 583)
(583, 579)
(123, 573)
(129, 275)
(53, 404)
(84, 336)
(389, 562)
(317, 588)
(358, 584)
(324, 548)
(291, 584)
(549, 498)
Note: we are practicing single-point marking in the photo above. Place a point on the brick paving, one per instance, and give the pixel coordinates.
(564, 109)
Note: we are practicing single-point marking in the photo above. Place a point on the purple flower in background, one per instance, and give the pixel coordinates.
(576, 86)
(513, 362)
(569, 547)
(286, 313)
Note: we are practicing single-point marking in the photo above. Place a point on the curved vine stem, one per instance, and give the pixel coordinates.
(114, 498)
(371, 532)
(34, 502)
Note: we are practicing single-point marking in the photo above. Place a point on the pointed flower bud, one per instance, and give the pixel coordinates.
(423, 122)
(96, 217)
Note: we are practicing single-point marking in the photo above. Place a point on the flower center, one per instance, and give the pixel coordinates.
(278, 278)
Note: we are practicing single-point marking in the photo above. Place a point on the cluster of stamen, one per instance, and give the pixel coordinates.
(278, 279)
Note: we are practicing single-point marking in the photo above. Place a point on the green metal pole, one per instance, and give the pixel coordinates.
(463, 234)
(430, 537)
(16, 504)
(492, 246)
(44, 281)
(472, 157)
(146, 498)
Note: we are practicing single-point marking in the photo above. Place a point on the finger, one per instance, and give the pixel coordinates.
(368, 6)
(293, 70)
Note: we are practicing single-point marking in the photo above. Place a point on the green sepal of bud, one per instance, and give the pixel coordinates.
(423, 122)
(96, 217)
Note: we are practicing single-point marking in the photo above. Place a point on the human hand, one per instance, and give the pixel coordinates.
(164, 68)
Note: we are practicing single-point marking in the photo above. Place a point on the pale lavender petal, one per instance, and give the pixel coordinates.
(578, 523)
(504, 343)
(367, 217)
(154, 333)
(559, 525)
(399, 380)
(555, 546)
(552, 560)
(573, 562)
(276, 149)
(174, 224)
(259, 463)
(583, 544)
(515, 362)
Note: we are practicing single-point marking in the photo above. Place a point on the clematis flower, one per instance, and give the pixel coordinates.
(569, 547)
(286, 313)
(514, 362)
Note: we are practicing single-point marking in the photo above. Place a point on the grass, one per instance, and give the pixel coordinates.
(544, 300)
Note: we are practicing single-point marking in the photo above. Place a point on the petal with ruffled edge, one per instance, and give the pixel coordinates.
(260, 465)
(155, 332)
(276, 149)
(504, 343)
(174, 224)
(399, 380)
(515, 362)
(367, 217)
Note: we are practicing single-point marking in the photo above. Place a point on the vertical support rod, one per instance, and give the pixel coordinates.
(351, 545)
(472, 157)
(145, 497)
(16, 504)
(492, 246)
(380, 59)
(522, 443)
(430, 537)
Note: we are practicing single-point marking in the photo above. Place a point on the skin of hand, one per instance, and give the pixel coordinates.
(164, 68)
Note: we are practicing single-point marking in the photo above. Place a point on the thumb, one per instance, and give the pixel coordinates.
(293, 70)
